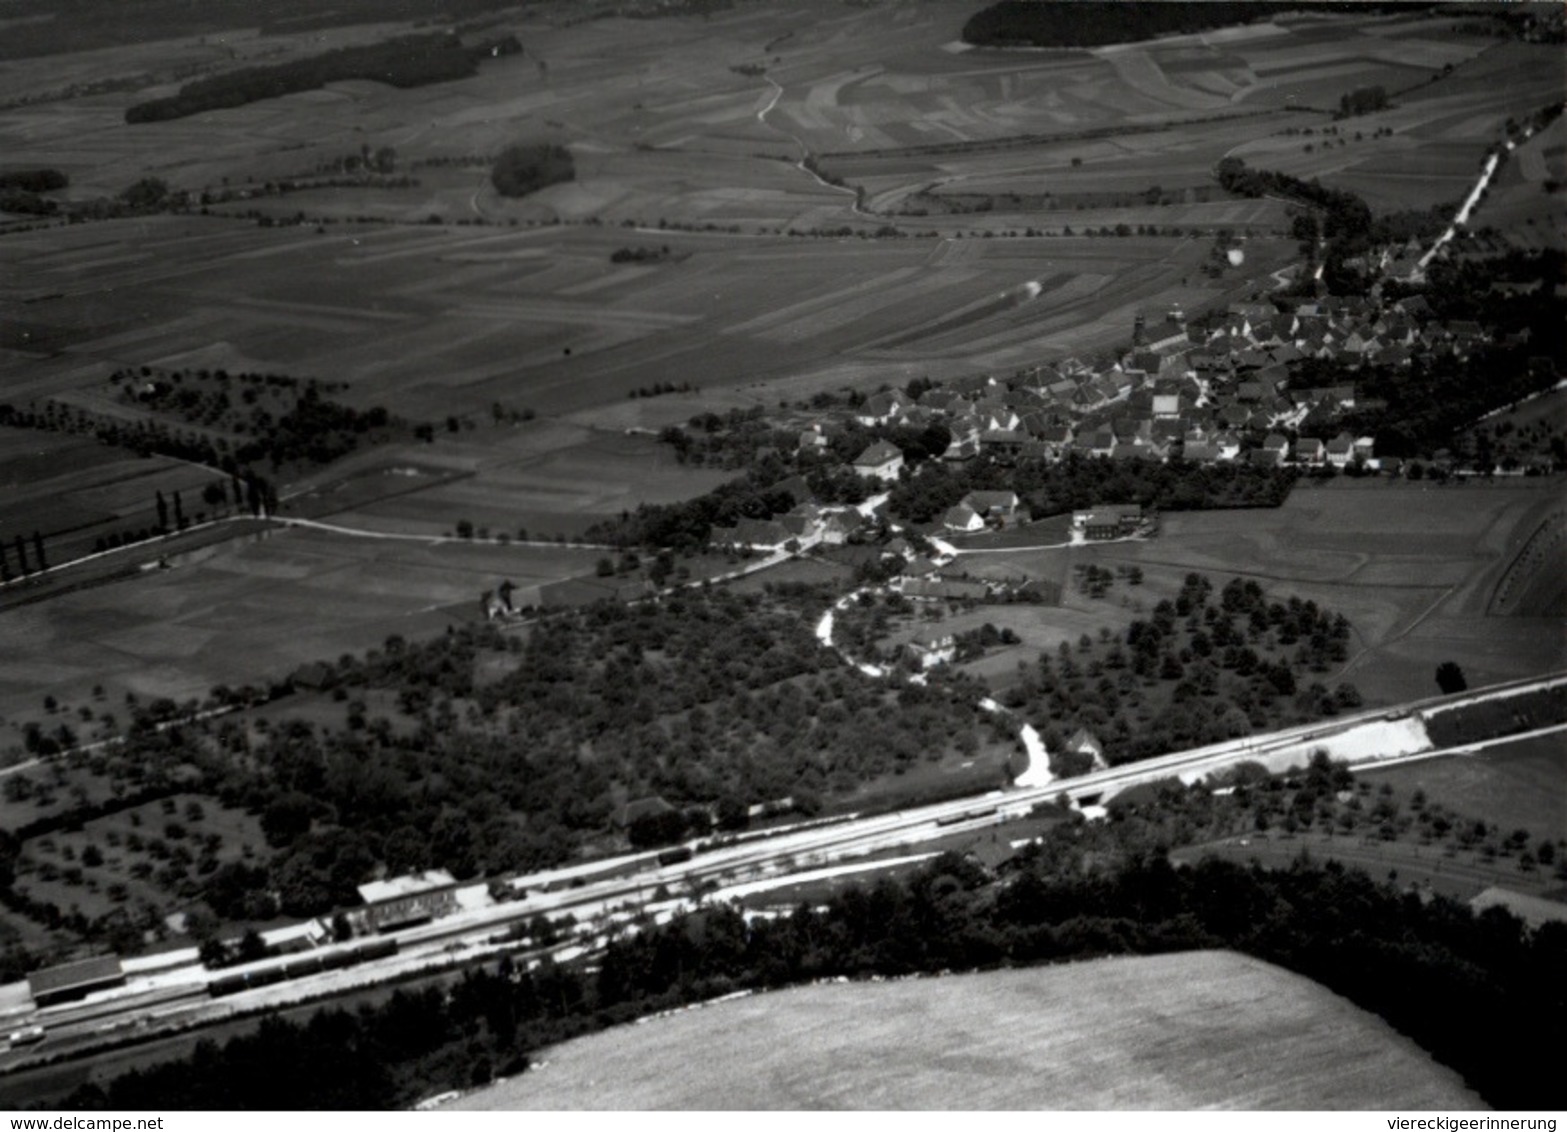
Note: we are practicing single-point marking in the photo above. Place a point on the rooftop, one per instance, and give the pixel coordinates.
(84, 972)
(410, 885)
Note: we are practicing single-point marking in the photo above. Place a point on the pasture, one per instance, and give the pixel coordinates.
(1185, 1031)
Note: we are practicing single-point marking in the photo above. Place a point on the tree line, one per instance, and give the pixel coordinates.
(1094, 23)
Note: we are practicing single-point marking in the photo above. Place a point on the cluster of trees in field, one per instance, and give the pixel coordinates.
(1077, 482)
(640, 255)
(34, 180)
(236, 420)
(407, 61)
(1195, 671)
(1454, 980)
(524, 169)
(1362, 100)
(21, 191)
(1093, 23)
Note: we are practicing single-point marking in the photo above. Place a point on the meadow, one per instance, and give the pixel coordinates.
(1184, 1031)
(1517, 784)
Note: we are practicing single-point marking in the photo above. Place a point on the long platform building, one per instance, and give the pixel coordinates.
(71, 981)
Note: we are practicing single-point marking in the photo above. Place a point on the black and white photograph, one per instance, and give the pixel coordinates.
(769, 556)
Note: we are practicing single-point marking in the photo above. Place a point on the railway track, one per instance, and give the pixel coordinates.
(616, 890)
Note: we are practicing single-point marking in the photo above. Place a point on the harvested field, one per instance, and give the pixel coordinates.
(1186, 1031)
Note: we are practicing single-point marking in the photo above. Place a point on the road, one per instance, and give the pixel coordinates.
(610, 895)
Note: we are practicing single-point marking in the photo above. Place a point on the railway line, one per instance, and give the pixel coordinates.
(611, 894)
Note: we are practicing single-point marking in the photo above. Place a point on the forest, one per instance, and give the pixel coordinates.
(407, 61)
(1483, 993)
(1094, 23)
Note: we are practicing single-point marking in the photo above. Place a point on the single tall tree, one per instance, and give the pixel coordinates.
(1450, 678)
(179, 512)
(21, 555)
(163, 513)
(38, 547)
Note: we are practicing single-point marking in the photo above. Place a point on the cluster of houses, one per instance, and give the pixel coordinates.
(1217, 389)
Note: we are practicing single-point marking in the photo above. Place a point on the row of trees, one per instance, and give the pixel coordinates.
(23, 567)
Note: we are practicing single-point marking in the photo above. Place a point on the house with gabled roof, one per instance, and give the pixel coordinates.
(1274, 448)
(882, 461)
(933, 646)
(1003, 443)
(993, 504)
(1309, 451)
(962, 519)
(1341, 450)
(879, 408)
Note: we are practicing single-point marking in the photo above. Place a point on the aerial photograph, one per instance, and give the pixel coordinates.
(739, 555)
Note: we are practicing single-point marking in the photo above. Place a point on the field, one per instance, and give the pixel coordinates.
(251, 611)
(506, 325)
(1186, 1031)
(1516, 784)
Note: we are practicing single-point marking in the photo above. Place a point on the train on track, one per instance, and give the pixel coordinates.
(299, 966)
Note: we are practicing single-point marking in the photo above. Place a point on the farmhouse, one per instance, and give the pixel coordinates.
(920, 590)
(411, 899)
(993, 504)
(70, 981)
(933, 647)
(880, 461)
(1109, 520)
